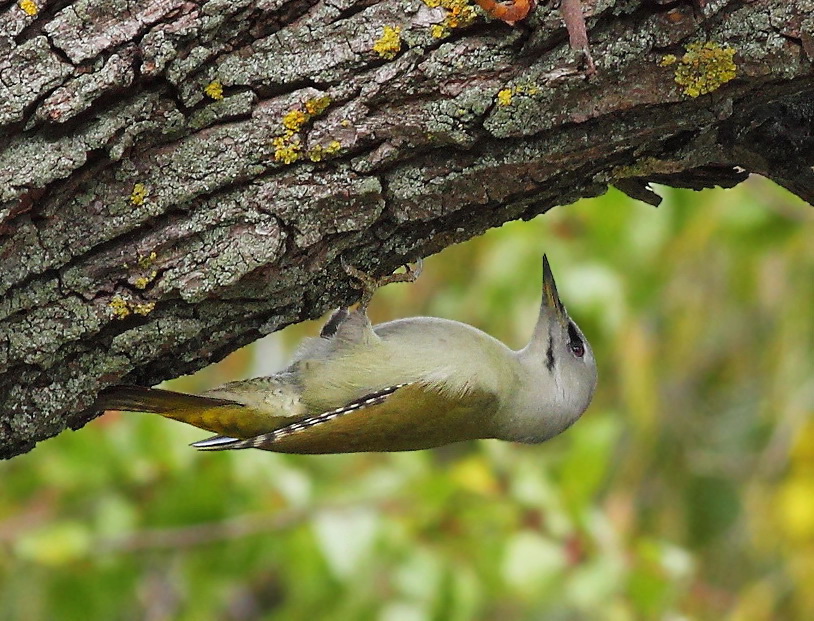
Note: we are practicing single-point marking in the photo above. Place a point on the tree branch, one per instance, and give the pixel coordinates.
(180, 179)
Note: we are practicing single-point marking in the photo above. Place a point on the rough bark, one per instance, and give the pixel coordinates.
(149, 226)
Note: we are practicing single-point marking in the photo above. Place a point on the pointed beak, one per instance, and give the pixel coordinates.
(551, 299)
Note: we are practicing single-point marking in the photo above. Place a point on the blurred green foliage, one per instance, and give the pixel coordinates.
(685, 492)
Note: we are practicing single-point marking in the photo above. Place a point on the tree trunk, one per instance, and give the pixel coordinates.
(178, 179)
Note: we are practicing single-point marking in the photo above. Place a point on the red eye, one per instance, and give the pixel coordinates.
(577, 349)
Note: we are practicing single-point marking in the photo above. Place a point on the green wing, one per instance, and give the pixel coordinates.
(405, 417)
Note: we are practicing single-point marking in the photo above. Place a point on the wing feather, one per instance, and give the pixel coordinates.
(404, 417)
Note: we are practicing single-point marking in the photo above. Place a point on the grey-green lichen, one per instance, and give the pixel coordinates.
(46, 329)
(78, 93)
(519, 110)
(456, 120)
(231, 239)
(42, 158)
(310, 209)
(235, 106)
(29, 71)
(85, 30)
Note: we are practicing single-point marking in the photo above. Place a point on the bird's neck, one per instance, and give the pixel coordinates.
(540, 407)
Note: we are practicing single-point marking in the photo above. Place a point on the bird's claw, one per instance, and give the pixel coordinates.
(368, 284)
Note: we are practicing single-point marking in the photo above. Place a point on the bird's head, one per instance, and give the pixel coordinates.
(563, 350)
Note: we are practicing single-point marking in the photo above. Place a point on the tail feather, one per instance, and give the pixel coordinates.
(156, 400)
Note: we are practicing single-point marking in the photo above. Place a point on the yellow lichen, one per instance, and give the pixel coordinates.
(318, 153)
(295, 120)
(29, 7)
(439, 31)
(143, 308)
(459, 14)
(214, 90)
(318, 105)
(139, 194)
(389, 44)
(143, 263)
(667, 60)
(119, 307)
(704, 68)
(505, 96)
(142, 281)
(287, 149)
(147, 260)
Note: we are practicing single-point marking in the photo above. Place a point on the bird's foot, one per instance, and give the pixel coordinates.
(368, 284)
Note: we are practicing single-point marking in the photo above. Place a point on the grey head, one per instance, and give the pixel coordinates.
(561, 368)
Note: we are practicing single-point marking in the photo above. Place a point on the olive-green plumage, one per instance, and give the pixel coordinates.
(403, 385)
